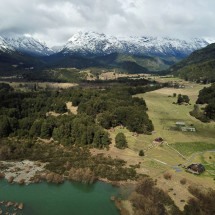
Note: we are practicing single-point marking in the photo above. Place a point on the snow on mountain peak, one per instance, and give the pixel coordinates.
(27, 44)
(87, 43)
(4, 47)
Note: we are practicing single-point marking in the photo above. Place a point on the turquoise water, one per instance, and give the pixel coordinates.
(65, 199)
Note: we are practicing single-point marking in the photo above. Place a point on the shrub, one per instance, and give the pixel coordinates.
(121, 141)
(167, 176)
(183, 181)
(84, 175)
(2, 175)
(141, 153)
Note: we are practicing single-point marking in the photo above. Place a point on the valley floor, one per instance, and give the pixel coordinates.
(178, 149)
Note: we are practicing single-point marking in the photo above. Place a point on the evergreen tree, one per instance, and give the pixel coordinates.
(180, 99)
(46, 130)
(120, 141)
(5, 128)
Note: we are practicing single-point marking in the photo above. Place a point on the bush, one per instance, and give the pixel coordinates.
(183, 181)
(167, 176)
(121, 141)
(141, 153)
(84, 175)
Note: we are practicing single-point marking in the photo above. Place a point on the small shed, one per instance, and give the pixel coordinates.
(196, 168)
(191, 129)
(180, 124)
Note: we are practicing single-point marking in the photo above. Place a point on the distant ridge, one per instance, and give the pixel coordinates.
(92, 43)
(199, 66)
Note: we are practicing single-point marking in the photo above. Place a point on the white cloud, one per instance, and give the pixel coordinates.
(56, 20)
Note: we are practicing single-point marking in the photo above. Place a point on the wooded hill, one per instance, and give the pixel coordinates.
(199, 66)
(15, 63)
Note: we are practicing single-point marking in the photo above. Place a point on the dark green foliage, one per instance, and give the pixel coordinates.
(141, 153)
(183, 98)
(133, 67)
(196, 112)
(5, 88)
(26, 114)
(120, 141)
(46, 130)
(206, 96)
(210, 111)
(114, 107)
(36, 128)
(5, 128)
(199, 66)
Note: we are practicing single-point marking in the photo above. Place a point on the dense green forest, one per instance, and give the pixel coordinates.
(206, 96)
(199, 66)
(24, 114)
(24, 123)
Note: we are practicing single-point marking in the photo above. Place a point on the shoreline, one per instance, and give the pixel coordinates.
(31, 172)
(25, 172)
(21, 172)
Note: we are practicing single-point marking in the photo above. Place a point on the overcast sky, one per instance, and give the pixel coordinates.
(54, 21)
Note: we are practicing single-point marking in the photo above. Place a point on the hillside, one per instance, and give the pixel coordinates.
(28, 45)
(199, 66)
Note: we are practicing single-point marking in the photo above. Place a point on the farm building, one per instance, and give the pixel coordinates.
(196, 168)
(180, 124)
(192, 129)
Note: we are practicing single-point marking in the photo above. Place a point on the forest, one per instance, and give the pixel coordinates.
(24, 122)
(23, 114)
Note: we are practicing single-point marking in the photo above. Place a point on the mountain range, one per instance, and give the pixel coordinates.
(96, 44)
(92, 43)
(91, 49)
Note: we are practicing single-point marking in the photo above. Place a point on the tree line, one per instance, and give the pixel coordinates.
(24, 114)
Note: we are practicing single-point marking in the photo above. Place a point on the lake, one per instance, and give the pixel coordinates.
(65, 199)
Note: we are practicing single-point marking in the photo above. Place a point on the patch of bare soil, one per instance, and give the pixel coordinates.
(61, 85)
(72, 108)
(52, 113)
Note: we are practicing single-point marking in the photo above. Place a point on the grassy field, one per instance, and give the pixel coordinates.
(165, 114)
(193, 146)
(188, 149)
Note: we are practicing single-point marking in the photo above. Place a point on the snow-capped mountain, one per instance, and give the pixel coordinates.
(86, 43)
(92, 43)
(28, 45)
(4, 47)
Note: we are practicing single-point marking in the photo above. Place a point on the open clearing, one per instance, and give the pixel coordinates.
(40, 85)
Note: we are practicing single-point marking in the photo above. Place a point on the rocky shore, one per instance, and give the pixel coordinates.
(8, 207)
(22, 172)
